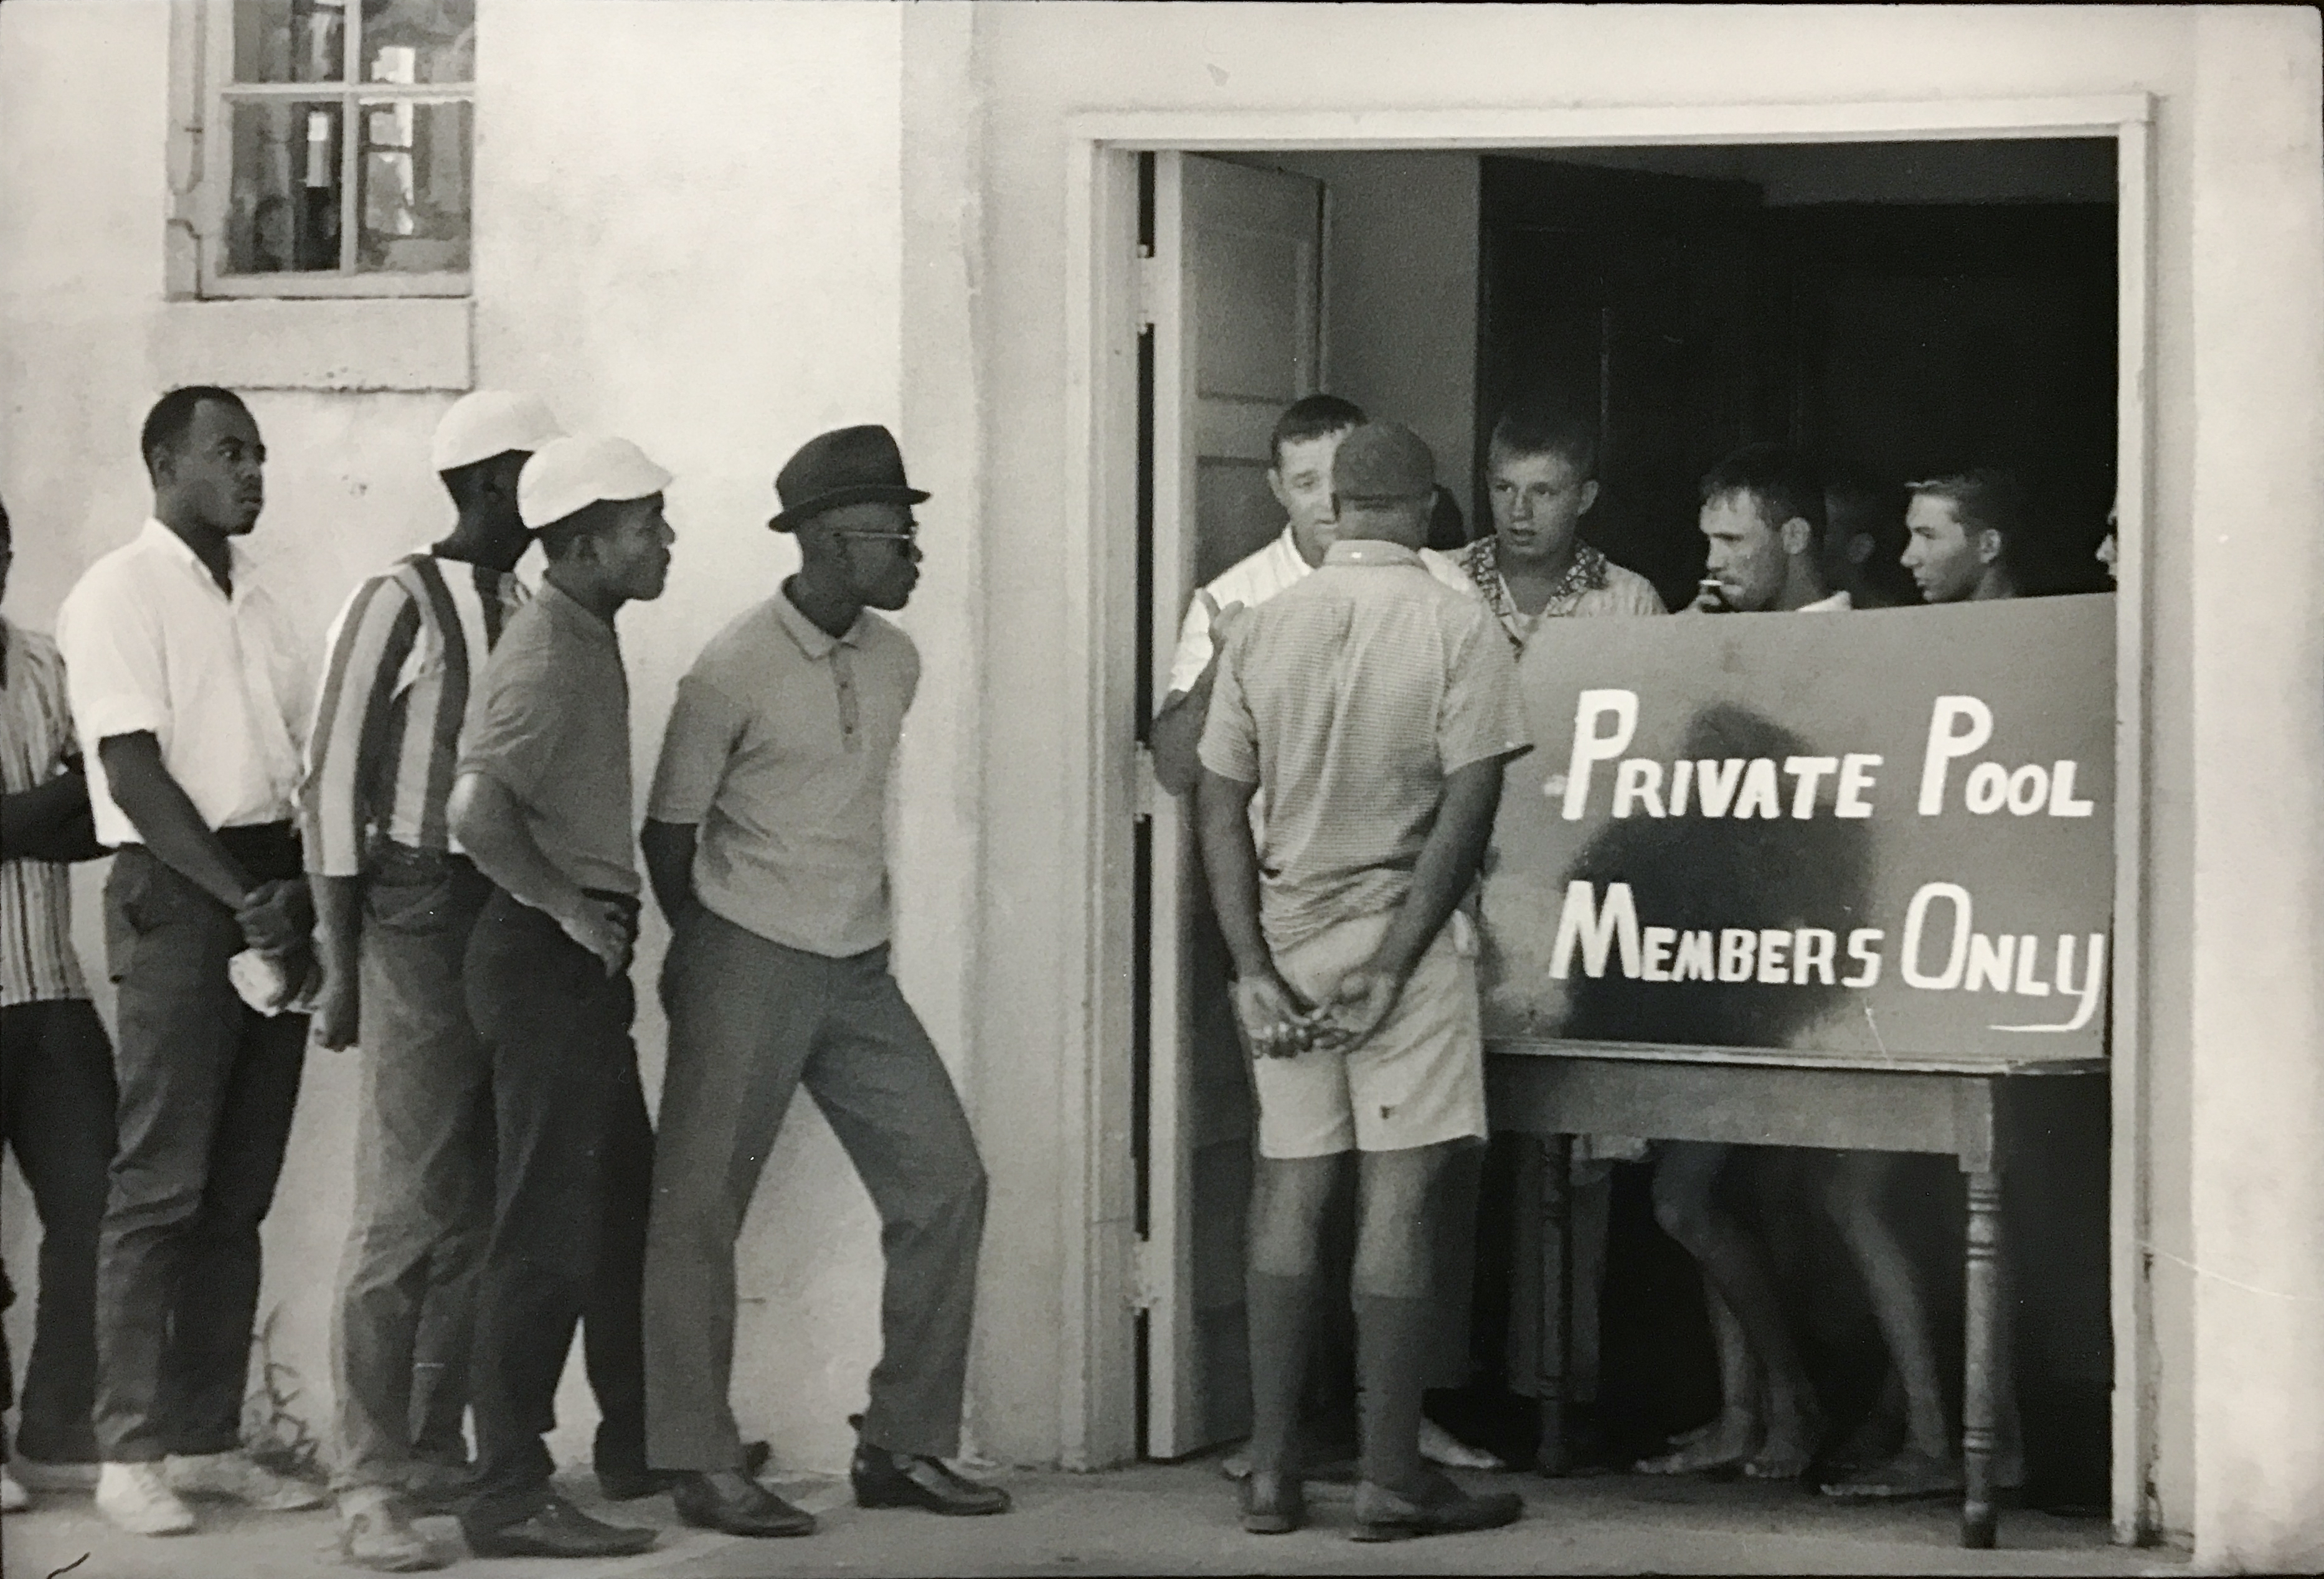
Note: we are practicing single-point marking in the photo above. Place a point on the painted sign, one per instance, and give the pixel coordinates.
(1885, 834)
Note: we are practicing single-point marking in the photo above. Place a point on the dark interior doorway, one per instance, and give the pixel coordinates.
(1893, 340)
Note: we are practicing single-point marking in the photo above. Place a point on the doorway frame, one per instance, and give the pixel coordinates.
(1106, 288)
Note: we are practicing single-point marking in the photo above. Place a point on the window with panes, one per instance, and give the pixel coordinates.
(338, 149)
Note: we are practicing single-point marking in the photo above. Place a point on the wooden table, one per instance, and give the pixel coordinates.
(1966, 1108)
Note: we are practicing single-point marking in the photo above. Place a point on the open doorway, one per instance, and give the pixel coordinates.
(1899, 308)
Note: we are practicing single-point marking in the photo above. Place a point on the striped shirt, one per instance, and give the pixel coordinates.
(37, 962)
(406, 652)
(1350, 699)
(1593, 586)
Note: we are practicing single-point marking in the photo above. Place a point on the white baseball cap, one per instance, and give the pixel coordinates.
(490, 423)
(566, 474)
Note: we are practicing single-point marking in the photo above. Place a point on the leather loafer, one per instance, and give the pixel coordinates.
(556, 1528)
(747, 1508)
(1384, 1515)
(627, 1485)
(1273, 1503)
(882, 1479)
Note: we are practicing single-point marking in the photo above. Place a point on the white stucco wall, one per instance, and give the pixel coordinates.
(690, 232)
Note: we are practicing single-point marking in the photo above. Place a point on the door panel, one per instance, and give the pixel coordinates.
(1237, 271)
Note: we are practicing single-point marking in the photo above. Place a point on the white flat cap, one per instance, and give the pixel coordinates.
(490, 423)
(566, 474)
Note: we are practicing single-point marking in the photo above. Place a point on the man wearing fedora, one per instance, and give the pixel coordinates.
(765, 839)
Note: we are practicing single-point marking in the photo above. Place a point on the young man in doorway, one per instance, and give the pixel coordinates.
(1541, 478)
(1966, 533)
(541, 803)
(1374, 708)
(1763, 518)
(190, 693)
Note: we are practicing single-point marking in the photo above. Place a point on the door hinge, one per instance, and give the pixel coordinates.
(1146, 791)
(1145, 1276)
(1150, 287)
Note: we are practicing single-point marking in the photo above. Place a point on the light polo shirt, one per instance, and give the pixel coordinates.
(1254, 578)
(152, 644)
(778, 749)
(553, 729)
(1350, 699)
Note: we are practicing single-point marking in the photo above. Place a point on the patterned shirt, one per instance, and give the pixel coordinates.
(1350, 699)
(37, 962)
(1593, 586)
(406, 654)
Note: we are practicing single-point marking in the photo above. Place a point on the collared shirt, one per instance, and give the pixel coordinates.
(1840, 602)
(1350, 699)
(778, 749)
(1594, 586)
(400, 685)
(152, 644)
(37, 962)
(1254, 578)
(553, 729)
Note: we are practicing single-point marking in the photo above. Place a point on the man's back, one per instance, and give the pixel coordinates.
(1348, 699)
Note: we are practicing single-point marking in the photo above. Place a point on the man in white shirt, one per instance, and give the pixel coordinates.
(1305, 440)
(189, 698)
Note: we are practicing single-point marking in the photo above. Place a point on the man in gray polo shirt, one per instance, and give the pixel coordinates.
(766, 840)
(541, 804)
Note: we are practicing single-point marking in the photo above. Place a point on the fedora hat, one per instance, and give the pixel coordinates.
(847, 466)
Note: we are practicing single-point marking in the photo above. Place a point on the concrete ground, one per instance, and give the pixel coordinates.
(1161, 1518)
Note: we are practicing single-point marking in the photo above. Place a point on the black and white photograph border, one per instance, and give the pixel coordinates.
(1083, 266)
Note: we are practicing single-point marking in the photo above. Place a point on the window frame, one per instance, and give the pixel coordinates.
(206, 206)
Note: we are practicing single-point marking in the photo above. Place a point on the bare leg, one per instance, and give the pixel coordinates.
(1730, 1436)
(1926, 1466)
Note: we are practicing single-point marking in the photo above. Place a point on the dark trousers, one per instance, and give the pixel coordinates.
(565, 1089)
(749, 1020)
(57, 1098)
(207, 1088)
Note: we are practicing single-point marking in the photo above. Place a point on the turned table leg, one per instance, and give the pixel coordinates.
(1983, 1380)
(1553, 1207)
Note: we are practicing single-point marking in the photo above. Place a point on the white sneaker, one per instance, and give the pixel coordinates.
(13, 1497)
(136, 1499)
(234, 1476)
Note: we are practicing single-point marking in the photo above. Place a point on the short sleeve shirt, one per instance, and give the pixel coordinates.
(1595, 587)
(553, 729)
(1250, 581)
(1350, 699)
(778, 749)
(154, 645)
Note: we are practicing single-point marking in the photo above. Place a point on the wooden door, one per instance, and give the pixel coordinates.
(1640, 298)
(1234, 294)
